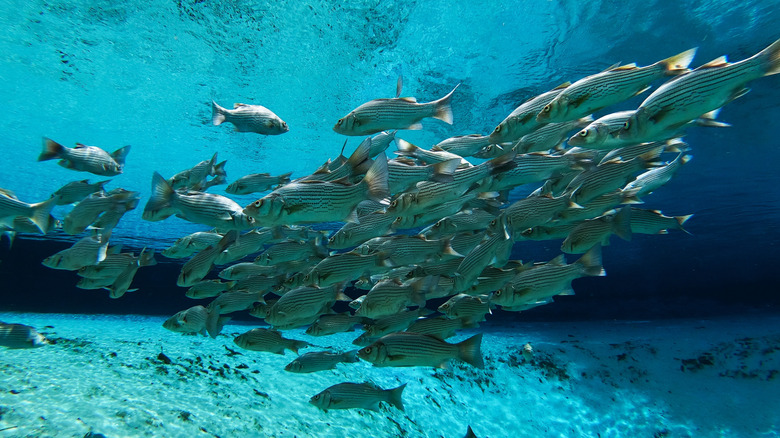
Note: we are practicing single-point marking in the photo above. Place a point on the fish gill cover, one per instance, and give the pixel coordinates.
(114, 74)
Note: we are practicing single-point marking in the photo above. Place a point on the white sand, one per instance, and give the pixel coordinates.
(588, 379)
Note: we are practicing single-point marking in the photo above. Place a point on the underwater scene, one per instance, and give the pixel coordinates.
(390, 219)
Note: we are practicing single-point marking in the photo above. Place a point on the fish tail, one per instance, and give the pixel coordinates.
(217, 114)
(470, 351)
(162, 197)
(350, 356)
(394, 397)
(147, 258)
(443, 110)
(120, 155)
(319, 247)
(40, 214)
(771, 58)
(213, 326)
(285, 178)
(678, 64)
(219, 170)
(101, 184)
(376, 179)
(51, 150)
(630, 197)
(682, 220)
(359, 161)
(709, 121)
(406, 149)
(621, 224)
(591, 262)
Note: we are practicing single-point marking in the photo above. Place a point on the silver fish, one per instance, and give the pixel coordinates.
(291, 251)
(611, 86)
(257, 182)
(439, 326)
(709, 87)
(87, 211)
(344, 267)
(240, 271)
(390, 297)
(406, 349)
(201, 263)
(208, 289)
(194, 320)
(75, 191)
(201, 208)
(651, 180)
(598, 231)
(320, 361)
(11, 207)
(354, 233)
(90, 250)
(494, 250)
(549, 136)
(189, 245)
(468, 220)
(404, 173)
(608, 176)
(249, 118)
(399, 113)
(380, 142)
(304, 303)
(522, 120)
(655, 222)
(84, 158)
(196, 177)
(389, 324)
(427, 156)
(357, 396)
(463, 145)
(17, 336)
(596, 207)
(334, 323)
(268, 340)
(471, 309)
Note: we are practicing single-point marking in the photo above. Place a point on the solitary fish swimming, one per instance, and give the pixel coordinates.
(84, 158)
(249, 118)
(357, 395)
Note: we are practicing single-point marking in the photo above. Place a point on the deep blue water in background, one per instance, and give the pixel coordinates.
(113, 73)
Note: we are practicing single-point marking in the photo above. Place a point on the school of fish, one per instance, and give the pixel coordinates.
(428, 237)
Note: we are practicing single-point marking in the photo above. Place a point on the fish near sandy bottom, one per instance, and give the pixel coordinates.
(357, 395)
(249, 118)
(17, 336)
(406, 349)
(320, 361)
(272, 341)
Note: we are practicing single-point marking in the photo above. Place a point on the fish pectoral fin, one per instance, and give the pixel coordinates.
(642, 90)
(239, 105)
(631, 66)
(660, 114)
(579, 100)
(408, 99)
(415, 126)
(739, 93)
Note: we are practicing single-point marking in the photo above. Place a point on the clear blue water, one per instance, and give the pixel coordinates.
(111, 73)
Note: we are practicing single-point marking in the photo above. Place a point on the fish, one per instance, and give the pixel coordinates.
(539, 284)
(344, 267)
(304, 303)
(707, 88)
(608, 176)
(398, 113)
(598, 231)
(89, 250)
(549, 136)
(403, 173)
(389, 297)
(463, 145)
(468, 220)
(75, 191)
(249, 118)
(405, 250)
(470, 433)
(192, 243)
(611, 86)
(354, 233)
(406, 349)
(39, 213)
(87, 211)
(208, 289)
(196, 177)
(349, 395)
(259, 283)
(291, 251)
(380, 142)
(596, 207)
(625, 153)
(655, 222)
(240, 271)
(330, 324)
(110, 218)
(272, 341)
(471, 309)
(492, 278)
(522, 120)
(440, 327)
(406, 149)
(314, 201)
(194, 320)
(651, 180)
(536, 167)
(257, 182)
(116, 262)
(320, 361)
(18, 336)
(494, 250)
(201, 263)
(198, 207)
(234, 301)
(530, 212)
(251, 242)
(547, 232)
(84, 158)
(388, 324)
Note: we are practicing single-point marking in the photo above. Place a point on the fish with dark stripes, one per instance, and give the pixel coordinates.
(85, 158)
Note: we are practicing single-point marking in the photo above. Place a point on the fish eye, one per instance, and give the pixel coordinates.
(367, 350)
(498, 129)
(316, 397)
(498, 293)
(546, 108)
(445, 306)
(340, 122)
(258, 203)
(626, 125)
(394, 204)
(584, 133)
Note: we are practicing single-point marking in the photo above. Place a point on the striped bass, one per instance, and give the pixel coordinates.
(608, 176)
(549, 136)
(20, 336)
(522, 120)
(198, 207)
(257, 182)
(357, 396)
(463, 145)
(354, 233)
(272, 341)
(320, 361)
(597, 231)
(11, 207)
(389, 297)
(90, 250)
(407, 349)
(208, 289)
(315, 201)
(705, 89)
(651, 180)
(201, 263)
(304, 302)
(75, 191)
(609, 87)
(249, 118)
(469, 308)
(655, 222)
(398, 113)
(84, 158)
(439, 326)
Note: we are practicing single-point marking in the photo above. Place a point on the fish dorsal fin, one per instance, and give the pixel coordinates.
(80, 145)
(408, 99)
(562, 86)
(399, 86)
(239, 105)
(717, 62)
(611, 67)
(625, 67)
(558, 261)
(437, 148)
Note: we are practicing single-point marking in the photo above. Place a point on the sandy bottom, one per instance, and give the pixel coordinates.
(677, 378)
